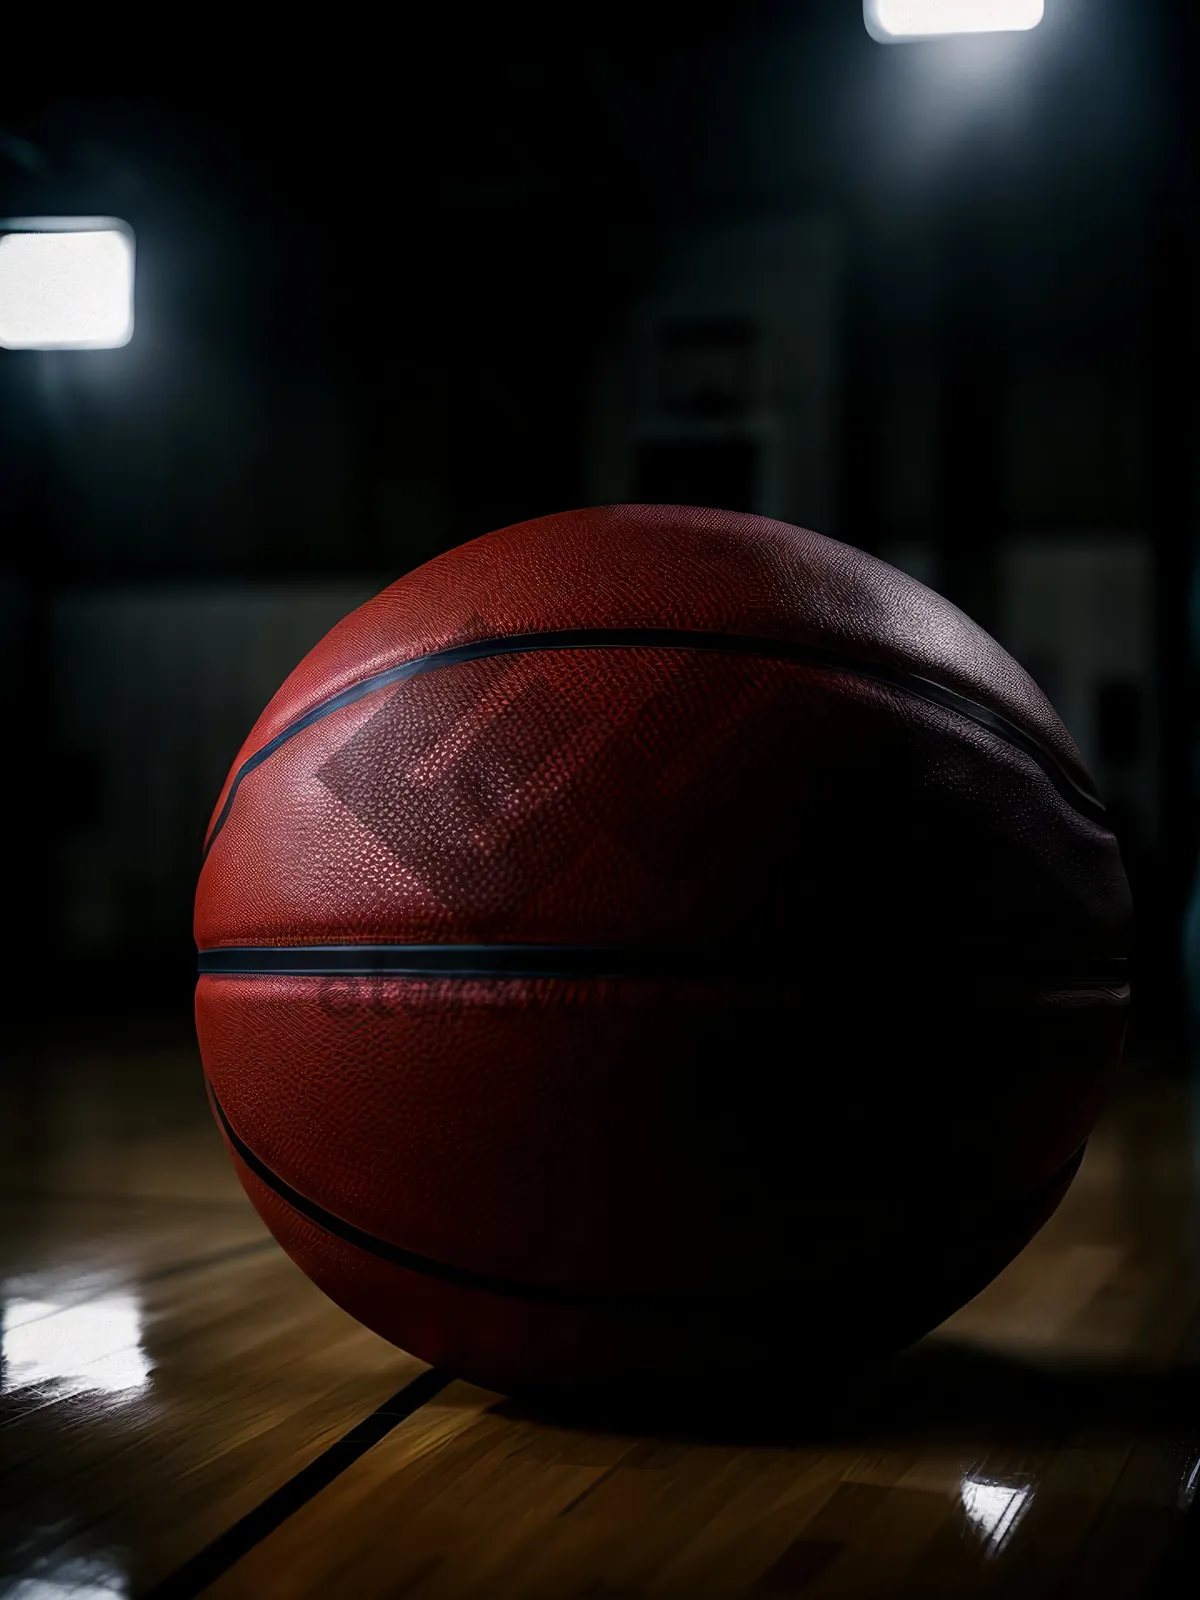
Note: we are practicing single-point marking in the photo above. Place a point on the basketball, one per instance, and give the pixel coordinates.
(645, 940)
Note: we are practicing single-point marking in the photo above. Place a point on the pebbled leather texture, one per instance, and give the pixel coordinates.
(666, 567)
(623, 1135)
(893, 868)
(642, 795)
(816, 1322)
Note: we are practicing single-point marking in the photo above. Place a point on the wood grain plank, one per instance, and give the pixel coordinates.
(167, 1370)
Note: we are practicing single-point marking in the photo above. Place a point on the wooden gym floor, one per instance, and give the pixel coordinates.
(182, 1413)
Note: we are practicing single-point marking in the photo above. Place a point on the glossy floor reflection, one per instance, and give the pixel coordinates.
(165, 1372)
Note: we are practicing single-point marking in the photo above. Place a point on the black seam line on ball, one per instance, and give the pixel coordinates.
(464, 1277)
(564, 961)
(582, 962)
(675, 639)
(668, 1303)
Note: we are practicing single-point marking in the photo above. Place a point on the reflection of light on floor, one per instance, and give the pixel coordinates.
(91, 1578)
(91, 1348)
(1189, 1485)
(994, 1508)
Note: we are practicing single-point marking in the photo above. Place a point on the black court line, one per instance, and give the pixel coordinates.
(228, 1548)
(1085, 800)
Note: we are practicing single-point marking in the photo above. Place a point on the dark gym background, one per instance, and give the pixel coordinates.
(938, 300)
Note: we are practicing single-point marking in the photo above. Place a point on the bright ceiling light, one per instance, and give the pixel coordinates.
(66, 283)
(891, 20)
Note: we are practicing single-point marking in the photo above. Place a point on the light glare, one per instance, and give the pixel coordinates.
(73, 1578)
(91, 1348)
(927, 19)
(69, 290)
(994, 1509)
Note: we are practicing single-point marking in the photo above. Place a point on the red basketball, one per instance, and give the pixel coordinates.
(648, 939)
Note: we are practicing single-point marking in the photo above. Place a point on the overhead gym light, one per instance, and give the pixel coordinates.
(66, 283)
(894, 21)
